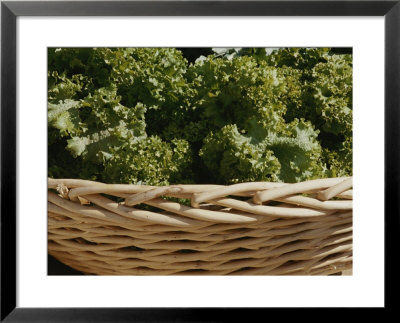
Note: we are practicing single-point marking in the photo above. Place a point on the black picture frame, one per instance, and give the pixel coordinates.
(10, 10)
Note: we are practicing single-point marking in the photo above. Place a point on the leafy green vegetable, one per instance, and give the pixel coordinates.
(237, 92)
(291, 155)
(100, 130)
(324, 97)
(149, 160)
(146, 115)
(233, 158)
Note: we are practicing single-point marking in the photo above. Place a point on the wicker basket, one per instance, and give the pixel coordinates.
(244, 229)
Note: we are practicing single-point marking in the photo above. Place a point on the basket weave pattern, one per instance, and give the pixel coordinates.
(256, 228)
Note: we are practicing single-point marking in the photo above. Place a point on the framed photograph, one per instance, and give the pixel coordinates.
(197, 158)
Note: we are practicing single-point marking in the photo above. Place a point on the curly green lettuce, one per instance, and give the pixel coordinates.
(96, 120)
(292, 155)
(147, 115)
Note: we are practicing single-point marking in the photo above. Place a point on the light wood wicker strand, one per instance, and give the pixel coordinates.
(243, 229)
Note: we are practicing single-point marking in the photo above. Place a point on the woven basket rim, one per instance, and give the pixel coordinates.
(291, 197)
